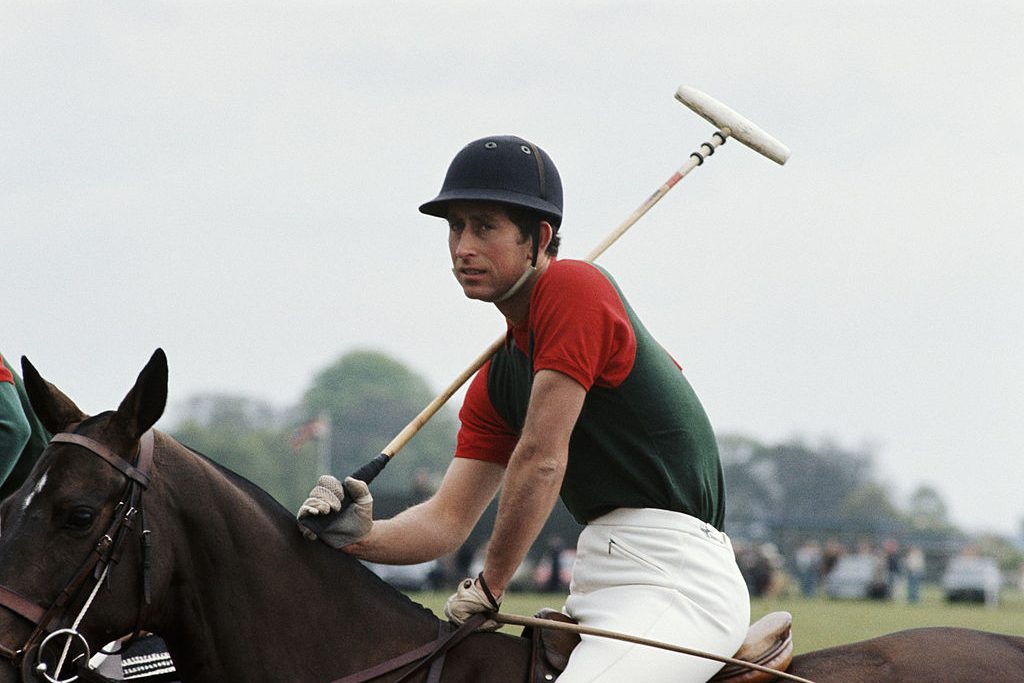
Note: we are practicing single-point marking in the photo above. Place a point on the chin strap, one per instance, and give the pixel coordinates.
(523, 279)
(518, 285)
(533, 262)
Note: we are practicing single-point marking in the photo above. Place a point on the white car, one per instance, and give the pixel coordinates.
(412, 577)
(857, 576)
(971, 578)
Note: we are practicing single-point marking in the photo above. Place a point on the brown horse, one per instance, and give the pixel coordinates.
(120, 528)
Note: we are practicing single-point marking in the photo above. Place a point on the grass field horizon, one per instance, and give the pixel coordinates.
(821, 622)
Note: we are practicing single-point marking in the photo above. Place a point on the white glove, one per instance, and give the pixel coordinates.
(351, 525)
(470, 599)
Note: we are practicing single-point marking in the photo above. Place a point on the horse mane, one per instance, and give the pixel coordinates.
(285, 518)
(259, 494)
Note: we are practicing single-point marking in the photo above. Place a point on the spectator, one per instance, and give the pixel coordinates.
(755, 567)
(808, 561)
(915, 566)
(891, 551)
(555, 567)
(831, 554)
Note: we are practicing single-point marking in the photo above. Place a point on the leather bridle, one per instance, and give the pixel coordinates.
(106, 553)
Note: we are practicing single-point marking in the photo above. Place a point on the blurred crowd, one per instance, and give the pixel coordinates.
(869, 570)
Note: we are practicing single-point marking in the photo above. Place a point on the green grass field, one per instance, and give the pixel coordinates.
(819, 622)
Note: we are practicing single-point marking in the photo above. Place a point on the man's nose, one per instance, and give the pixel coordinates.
(465, 244)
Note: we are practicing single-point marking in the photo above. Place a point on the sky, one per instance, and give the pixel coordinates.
(238, 183)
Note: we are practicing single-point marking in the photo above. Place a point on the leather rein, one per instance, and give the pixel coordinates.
(92, 572)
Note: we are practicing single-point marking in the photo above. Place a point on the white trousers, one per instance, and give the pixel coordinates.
(660, 575)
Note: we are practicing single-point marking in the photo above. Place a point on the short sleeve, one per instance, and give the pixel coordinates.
(581, 327)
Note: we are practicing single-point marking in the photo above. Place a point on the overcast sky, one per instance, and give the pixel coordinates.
(238, 184)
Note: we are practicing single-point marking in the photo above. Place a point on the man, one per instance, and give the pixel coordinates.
(581, 401)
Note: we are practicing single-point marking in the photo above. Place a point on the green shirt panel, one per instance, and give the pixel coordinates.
(18, 470)
(646, 443)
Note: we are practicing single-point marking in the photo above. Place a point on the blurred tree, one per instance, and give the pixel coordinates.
(870, 506)
(792, 491)
(1009, 557)
(249, 437)
(927, 510)
(368, 398)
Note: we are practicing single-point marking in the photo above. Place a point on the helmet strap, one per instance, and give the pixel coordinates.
(519, 283)
(526, 273)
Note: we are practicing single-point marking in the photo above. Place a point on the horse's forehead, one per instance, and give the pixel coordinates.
(60, 478)
(68, 467)
(99, 427)
(37, 488)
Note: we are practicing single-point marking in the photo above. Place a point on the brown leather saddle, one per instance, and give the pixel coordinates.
(769, 643)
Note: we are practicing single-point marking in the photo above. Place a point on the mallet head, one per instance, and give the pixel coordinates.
(732, 124)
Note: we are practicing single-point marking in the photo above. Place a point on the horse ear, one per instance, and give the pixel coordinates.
(55, 410)
(146, 401)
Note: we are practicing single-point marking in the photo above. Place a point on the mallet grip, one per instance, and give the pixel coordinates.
(370, 470)
(367, 473)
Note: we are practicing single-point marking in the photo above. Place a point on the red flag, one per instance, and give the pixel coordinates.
(313, 429)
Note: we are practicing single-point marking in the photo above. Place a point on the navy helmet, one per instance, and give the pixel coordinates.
(505, 169)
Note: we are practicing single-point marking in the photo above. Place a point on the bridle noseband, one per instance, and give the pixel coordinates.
(107, 552)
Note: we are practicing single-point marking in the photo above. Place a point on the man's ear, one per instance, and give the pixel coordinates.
(546, 233)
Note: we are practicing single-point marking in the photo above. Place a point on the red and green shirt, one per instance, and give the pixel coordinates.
(642, 439)
(5, 374)
(22, 436)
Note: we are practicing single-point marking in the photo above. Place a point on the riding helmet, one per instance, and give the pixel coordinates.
(505, 169)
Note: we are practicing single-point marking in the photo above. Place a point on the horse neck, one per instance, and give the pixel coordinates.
(248, 596)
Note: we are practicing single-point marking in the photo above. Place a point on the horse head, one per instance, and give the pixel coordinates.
(72, 537)
(120, 528)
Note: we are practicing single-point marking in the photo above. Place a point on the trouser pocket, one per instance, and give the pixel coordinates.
(618, 548)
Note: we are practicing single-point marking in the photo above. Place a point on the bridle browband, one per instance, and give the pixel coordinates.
(107, 552)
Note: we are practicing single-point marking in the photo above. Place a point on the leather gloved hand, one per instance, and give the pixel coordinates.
(348, 527)
(471, 598)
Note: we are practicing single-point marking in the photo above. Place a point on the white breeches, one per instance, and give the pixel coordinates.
(660, 575)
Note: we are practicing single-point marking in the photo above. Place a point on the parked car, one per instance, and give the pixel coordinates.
(857, 576)
(412, 577)
(972, 578)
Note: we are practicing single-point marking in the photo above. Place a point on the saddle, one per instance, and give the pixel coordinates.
(769, 643)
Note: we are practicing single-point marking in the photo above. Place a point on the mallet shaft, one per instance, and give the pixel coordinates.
(695, 160)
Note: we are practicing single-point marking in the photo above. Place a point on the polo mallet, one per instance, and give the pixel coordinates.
(729, 124)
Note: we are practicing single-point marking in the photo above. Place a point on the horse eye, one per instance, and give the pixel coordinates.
(80, 518)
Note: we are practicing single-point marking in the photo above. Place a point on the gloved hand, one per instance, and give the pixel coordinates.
(472, 597)
(326, 496)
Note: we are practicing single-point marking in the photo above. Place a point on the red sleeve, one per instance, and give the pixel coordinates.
(5, 374)
(580, 326)
(483, 434)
